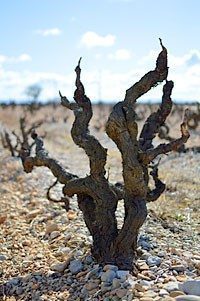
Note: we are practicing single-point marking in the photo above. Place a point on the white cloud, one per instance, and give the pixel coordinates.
(112, 86)
(13, 83)
(97, 56)
(24, 57)
(120, 55)
(188, 59)
(49, 32)
(184, 70)
(3, 59)
(108, 84)
(91, 39)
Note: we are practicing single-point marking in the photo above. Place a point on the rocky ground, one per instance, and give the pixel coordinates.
(45, 251)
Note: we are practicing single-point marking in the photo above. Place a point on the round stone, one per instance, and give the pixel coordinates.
(191, 287)
(108, 276)
(75, 266)
(153, 260)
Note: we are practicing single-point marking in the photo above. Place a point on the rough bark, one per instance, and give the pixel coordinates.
(97, 198)
(156, 119)
(192, 121)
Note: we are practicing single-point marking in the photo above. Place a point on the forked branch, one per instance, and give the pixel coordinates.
(42, 158)
(151, 154)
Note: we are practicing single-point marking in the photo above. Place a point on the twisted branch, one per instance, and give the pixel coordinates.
(80, 133)
(150, 79)
(151, 154)
(42, 159)
(64, 200)
(154, 194)
(156, 119)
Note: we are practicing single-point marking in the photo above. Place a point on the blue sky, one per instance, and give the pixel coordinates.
(42, 40)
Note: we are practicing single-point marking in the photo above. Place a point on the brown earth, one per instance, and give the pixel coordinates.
(27, 252)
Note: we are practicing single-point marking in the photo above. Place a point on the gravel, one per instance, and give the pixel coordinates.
(45, 253)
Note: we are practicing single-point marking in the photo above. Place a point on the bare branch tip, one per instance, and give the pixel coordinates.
(78, 68)
(64, 99)
(158, 161)
(79, 62)
(34, 135)
(161, 44)
(60, 94)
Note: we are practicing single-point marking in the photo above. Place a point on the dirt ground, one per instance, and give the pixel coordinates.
(27, 251)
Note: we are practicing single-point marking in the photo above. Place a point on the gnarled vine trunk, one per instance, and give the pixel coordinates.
(97, 198)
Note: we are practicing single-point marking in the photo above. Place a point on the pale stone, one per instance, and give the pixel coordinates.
(122, 274)
(60, 267)
(2, 257)
(188, 298)
(105, 287)
(50, 227)
(32, 214)
(171, 286)
(140, 288)
(191, 287)
(154, 260)
(161, 254)
(75, 266)
(110, 267)
(145, 283)
(143, 266)
(163, 292)
(116, 283)
(181, 278)
(91, 285)
(26, 243)
(141, 276)
(54, 234)
(150, 294)
(130, 296)
(178, 268)
(93, 272)
(176, 294)
(92, 292)
(83, 273)
(108, 276)
(71, 214)
(64, 250)
(121, 292)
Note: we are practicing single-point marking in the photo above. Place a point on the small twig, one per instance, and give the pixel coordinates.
(64, 200)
